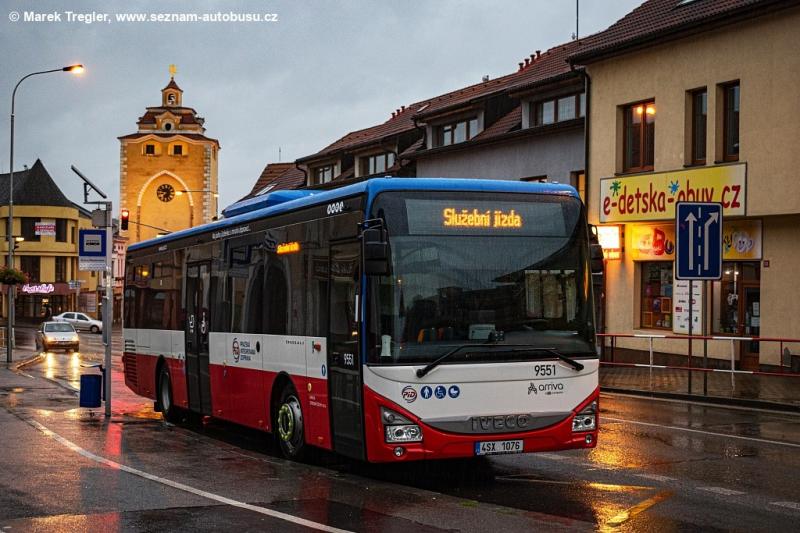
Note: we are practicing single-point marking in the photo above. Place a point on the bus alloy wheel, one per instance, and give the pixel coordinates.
(289, 426)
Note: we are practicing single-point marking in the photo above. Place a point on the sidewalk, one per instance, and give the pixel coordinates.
(768, 391)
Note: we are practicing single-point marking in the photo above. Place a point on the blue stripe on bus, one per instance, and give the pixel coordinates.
(372, 187)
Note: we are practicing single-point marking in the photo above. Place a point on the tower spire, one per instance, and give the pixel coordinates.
(172, 71)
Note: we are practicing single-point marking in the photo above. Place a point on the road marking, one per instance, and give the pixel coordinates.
(627, 514)
(722, 490)
(790, 505)
(690, 430)
(180, 486)
(656, 477)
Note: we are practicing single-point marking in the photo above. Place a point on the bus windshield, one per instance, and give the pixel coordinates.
(480, 268)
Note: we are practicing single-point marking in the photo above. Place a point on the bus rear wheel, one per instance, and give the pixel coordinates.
(168, 408)
(289, 429)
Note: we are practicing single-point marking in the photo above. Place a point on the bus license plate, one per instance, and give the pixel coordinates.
(498, 446)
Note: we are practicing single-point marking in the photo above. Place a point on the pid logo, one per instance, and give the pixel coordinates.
(409, 394)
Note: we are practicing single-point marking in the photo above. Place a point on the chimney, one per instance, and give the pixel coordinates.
(402, 108)
(485, 78)
(538, 54)
(533, 57)
(393, 114)
(527, 61)
(520, 66)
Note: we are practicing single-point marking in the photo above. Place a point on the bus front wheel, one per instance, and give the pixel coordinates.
(289, 429)
(165, 396)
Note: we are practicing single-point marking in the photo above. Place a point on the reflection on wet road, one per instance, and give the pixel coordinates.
(660, 465)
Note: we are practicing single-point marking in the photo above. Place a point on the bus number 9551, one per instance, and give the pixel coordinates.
(544, 371)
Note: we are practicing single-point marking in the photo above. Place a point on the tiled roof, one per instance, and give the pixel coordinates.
(413, 148)
(507, 123)
(655, 19)
(543, 67)
(186, 114)
(33, 186)
(194, 136)
(279, 176)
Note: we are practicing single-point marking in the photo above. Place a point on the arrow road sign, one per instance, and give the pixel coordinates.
(698, 239)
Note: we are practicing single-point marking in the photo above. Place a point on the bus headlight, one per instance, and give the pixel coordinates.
(406, 433)
(586, 420)
(398, 428)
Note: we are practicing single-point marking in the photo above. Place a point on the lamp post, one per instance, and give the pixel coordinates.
(77, 69)
(206, 191)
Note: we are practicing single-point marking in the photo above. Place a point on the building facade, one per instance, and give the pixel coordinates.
(697, 101)
(49, 224)
(168, 170)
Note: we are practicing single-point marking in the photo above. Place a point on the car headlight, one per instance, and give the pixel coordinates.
(398, 428)
(48, 338)
(75, 338)
(586, 420)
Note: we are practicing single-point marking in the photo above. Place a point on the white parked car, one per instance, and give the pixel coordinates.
(80, 321)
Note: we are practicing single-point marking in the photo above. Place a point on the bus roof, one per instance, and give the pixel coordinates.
(279, 202)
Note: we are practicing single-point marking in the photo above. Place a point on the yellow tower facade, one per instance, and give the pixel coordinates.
(168, 169)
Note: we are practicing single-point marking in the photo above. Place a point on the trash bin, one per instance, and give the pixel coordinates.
(90, 390)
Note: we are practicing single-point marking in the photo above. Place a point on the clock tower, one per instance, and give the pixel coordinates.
(168, 169)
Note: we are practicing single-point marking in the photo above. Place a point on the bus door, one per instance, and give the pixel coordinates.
(197, 326)
(344, 361)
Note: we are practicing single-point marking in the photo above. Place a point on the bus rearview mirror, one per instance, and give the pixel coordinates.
(375, 249)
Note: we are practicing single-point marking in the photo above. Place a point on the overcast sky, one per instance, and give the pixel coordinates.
(325, 68)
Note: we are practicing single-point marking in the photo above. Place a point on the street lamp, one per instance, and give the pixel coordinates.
(75, 69)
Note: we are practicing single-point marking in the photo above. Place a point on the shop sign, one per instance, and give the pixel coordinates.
(741, 240)
(653, 196)
(652, 243)
(47, 229)
(41, 288)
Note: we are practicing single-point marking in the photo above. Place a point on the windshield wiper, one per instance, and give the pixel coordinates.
(509, 348)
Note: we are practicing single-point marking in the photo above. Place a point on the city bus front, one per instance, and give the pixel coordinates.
(480, 338)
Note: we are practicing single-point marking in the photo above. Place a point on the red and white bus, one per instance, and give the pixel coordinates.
(388, 320)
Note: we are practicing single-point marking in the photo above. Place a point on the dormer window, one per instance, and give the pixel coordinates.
(457, 132)
(375, 164)
(558, 109)
(323, 174)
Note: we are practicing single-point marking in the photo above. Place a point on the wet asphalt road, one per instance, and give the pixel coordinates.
(660, 465)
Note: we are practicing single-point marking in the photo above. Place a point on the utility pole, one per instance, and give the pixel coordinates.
(105, 220)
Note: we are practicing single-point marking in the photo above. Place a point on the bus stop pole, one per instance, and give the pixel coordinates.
(107, 311)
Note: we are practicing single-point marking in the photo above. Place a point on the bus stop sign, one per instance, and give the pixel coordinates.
(698, 240)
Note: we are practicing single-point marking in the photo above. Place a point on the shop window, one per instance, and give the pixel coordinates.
(639, 137)
(656, 297)
(699, 120)
(736, 309)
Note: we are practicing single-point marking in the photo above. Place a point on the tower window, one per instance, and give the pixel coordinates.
(167, 126)
(177, 149)
(171, 98)
(150, 149)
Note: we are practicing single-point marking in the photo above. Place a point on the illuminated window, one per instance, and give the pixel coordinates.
(656, 303)
(639, 136)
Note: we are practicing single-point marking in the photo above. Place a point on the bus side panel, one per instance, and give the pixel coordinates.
(177, 377)
(318, 427)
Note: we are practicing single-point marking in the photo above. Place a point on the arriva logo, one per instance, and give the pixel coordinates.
(235, 349)
(546, 388)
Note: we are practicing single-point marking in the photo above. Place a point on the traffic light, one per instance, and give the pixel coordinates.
(123, 219)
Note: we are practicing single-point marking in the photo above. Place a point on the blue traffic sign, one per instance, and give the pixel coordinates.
(698, 240)
(92, 243)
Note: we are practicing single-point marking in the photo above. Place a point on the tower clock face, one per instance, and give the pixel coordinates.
(165, 192)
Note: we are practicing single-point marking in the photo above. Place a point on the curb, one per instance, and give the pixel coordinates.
(717, 400)
(16, 367)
